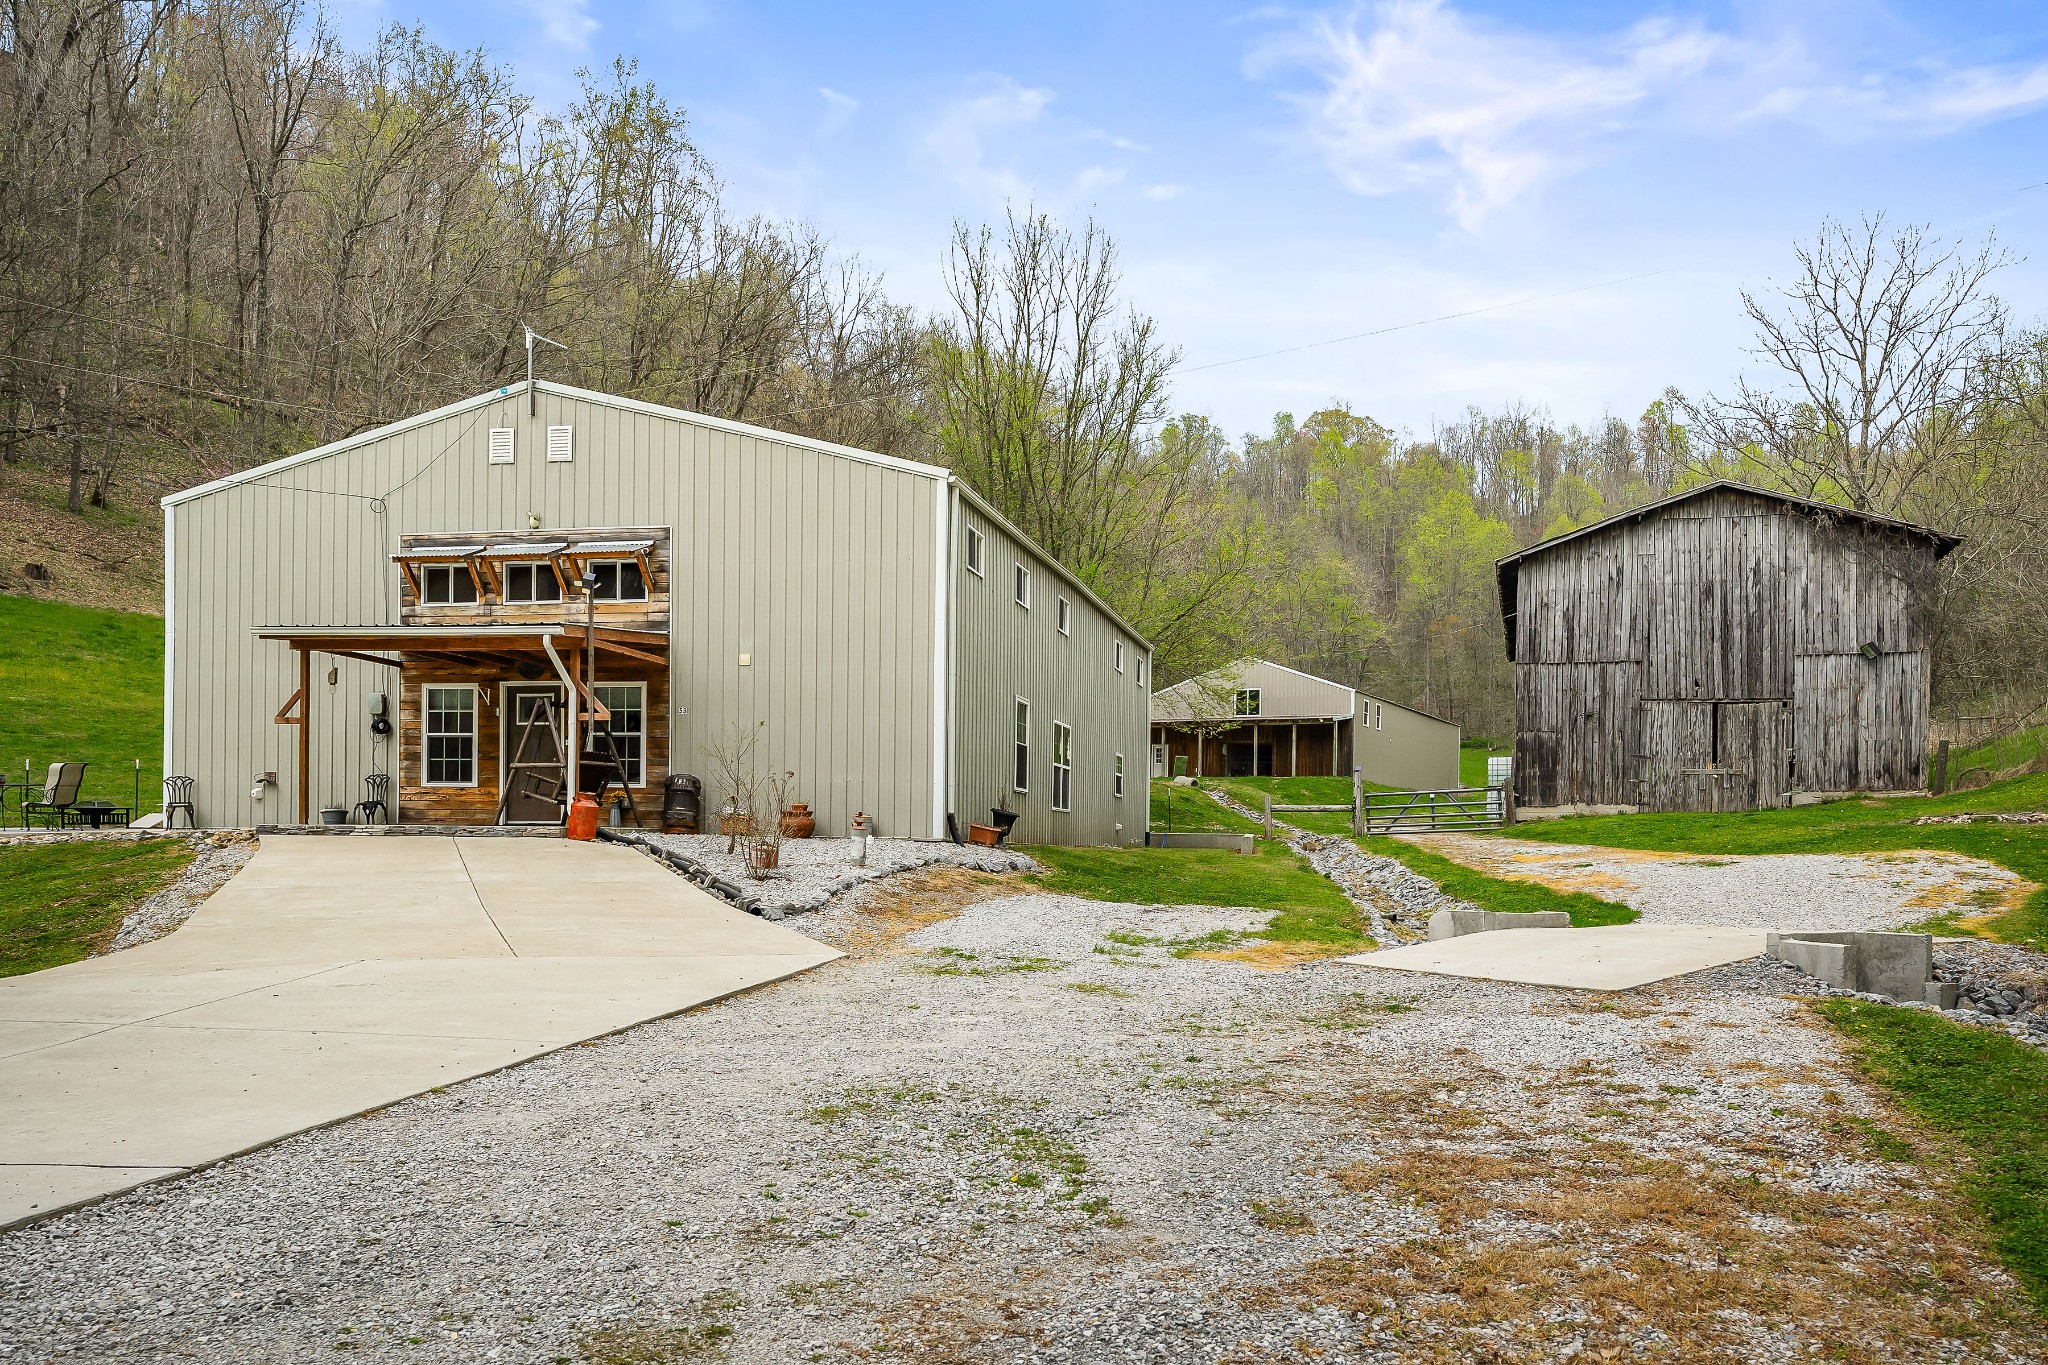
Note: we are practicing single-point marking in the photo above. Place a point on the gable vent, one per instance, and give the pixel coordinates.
(501, 445)
(559, 444)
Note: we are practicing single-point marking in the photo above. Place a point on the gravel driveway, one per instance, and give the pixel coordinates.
(1768, 891)
(1026, 1127)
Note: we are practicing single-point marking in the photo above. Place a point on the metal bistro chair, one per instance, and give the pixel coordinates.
(60, 793)
(178, 797)
(374, 807)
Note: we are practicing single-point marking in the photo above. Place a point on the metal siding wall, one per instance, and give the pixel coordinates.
(817, 563)
(1002, 651)
(1410, 750)
(1283, 694)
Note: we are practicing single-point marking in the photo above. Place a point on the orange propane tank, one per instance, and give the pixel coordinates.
(582, 817)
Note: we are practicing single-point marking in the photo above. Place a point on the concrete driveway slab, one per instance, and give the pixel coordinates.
(1610, 958)
(335, 975)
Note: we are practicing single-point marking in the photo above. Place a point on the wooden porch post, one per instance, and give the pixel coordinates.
(1333, 746)
(305, 735)
(1198, 755)
(1294, 749)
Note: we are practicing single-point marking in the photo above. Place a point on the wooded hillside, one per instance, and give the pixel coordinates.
(224, 237)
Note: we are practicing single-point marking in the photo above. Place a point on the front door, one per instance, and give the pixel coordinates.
(534, 773)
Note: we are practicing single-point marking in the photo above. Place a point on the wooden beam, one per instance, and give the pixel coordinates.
(305, 735)
(613, 647)
(366, 658)
(405, 571)
(293, 700)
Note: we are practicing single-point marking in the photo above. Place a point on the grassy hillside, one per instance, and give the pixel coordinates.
(78, 684)
(1852, 826)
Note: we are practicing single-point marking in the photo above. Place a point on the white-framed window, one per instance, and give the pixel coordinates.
(1020, 779)
(1247, 701)
(1141, 670)
(974, 543)
(1023, 587)
(618, 580)
(628, 726)
(1116, 654)
(1066, 621)
(1118, 786)
(532, 582)
(1062, 766)
(561, 444)
(1379, 717)
(446, 585)
(501, 445)
(448, 736)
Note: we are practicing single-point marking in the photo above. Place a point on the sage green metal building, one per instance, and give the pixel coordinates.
(896, 643)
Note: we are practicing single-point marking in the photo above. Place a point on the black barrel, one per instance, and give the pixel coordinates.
(682, 801)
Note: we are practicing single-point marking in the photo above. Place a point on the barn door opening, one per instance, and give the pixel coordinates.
(1752, 749)
(1678, 755)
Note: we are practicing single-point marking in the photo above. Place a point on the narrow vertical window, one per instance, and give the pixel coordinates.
(501, 445)
(1379, 717)
(1119, 786)
(1116, 655)
(1062, 766)
(1021, 779)
(1141, 670)
(449, 741)
(1066, 617)
(627, 727)
(1023, 587)
(974, 552)
(561, 445)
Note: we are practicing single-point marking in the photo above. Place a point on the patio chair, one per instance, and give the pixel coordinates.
(178, 797)
(60, 793)
(374, 807)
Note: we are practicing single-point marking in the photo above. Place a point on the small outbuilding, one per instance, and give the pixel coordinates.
(1256, 718)
(1730, 648)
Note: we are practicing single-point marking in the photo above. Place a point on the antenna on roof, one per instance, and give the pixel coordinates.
(531, 337)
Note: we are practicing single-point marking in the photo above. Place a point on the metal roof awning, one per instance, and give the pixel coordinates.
(481, 643)
(440, 552)
(611, 547)
(541, 551)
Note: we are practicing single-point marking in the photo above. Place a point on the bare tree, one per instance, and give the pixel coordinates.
(1881, 344)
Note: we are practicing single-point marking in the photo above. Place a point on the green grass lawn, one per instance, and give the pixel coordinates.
(1984, 1091)
(1288, 791)
(60, 902)
(82, 685)
(1850, 826)
(1189, 810)
(2001, 755)
(1308, 906)
(1499, 893)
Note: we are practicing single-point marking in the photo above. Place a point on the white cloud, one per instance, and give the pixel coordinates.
(1414, 94)
(839, 109)
(1165, 191)
(566, 24)
(958, 139)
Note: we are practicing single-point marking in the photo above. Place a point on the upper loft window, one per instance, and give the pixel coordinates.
(974, 552)
(443, 585)
(533, 582)
(1023, 587)
(1066, 617)
(1116, 655)
(1247, 701)
(618, 580)
(1141, 670)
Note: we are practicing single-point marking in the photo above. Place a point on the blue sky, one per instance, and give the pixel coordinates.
(1281, 175)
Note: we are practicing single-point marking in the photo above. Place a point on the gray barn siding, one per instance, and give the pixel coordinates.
(817, 564)
(1734, 615)
(1001, 652)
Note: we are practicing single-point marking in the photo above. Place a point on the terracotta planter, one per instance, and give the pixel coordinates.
(762, 857)
(798, 822)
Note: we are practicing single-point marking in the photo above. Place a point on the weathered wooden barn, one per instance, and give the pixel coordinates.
(1729, 648)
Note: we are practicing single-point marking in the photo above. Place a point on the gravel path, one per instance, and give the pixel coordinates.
(812, 871)
(1022, 1127)
(1772, 891)
(219, 855)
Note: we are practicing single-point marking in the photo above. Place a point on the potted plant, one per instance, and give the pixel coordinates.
(798, 821)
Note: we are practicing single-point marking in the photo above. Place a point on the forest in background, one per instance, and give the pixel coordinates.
(225, 237)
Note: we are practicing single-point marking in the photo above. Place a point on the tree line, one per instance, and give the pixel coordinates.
(225, 236)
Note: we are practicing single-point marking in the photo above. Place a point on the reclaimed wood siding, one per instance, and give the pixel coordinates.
(1628, 641)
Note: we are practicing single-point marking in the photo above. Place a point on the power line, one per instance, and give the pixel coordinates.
(1426, 322)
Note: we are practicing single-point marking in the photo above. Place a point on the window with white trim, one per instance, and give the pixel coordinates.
(446, 585)
(1066, 621)
(532, 582)
(1062, 766)
(618, 580)
(1116, 655)
(974, 551)
(1023, 587)
(1379, 717)
(1141, 670)
(448, 736)
(1247, 701)
(1119, 786)
(1020, 779)
(628, 726)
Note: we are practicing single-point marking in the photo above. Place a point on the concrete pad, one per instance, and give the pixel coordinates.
(334, 976)
(1610, 958)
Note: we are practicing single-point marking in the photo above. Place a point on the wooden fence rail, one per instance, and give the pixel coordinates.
(1411, 812)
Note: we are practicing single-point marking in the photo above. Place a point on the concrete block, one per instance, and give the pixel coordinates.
(1941, 994)
(1455, 923)
(1235, 843)
(1896, 965)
